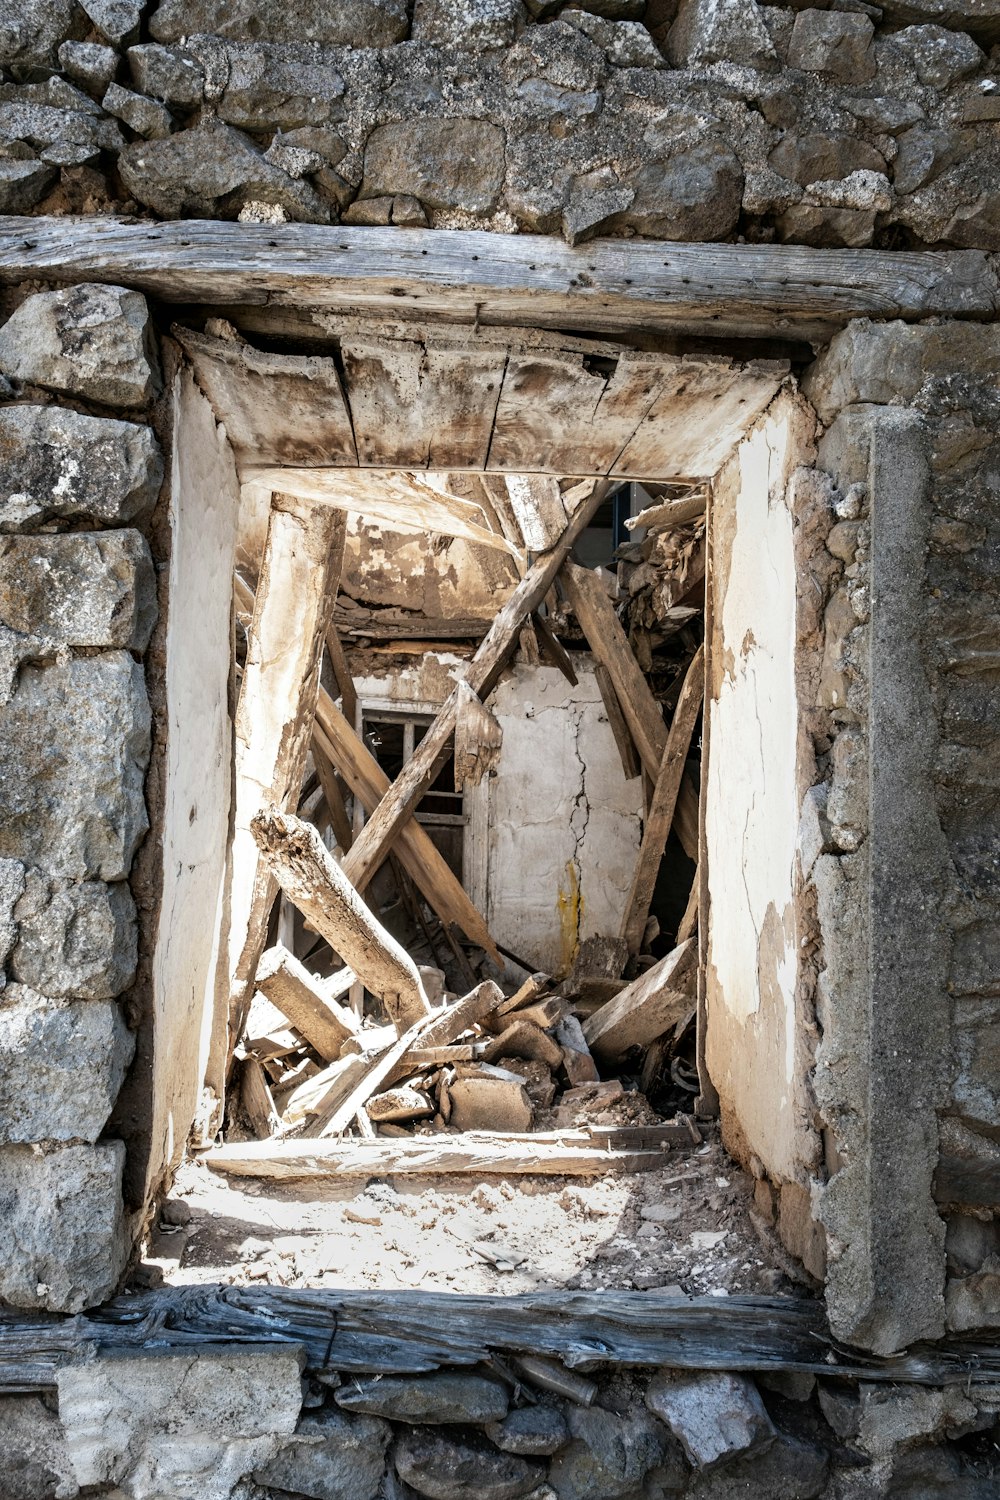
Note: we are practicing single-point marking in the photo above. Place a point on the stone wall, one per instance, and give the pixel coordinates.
(248, 1423)
(859, 125)
(910, 682)
(80, 472)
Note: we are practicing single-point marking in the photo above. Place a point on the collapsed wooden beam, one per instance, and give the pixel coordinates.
(418, 854)
(609, 643)
(655, 1001)
(303, 554)
(660, 817)
(313, 881)
(670, 513)
(323, 1023)
(376, 838)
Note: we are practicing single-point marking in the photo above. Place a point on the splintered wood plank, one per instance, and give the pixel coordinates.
(577, 410)
(701, 413)
(570, 1153)
(670, 513)
(277, 408)
(478, 739)
(609, 643)
(652, 1003)
(301, 999)
(627, 752)
(477, 277)
(314, 883)
(421, 406)
(536, 501)
(376, 838)
(301, 566)
(660, 817)
(418, 854)
(342, 672)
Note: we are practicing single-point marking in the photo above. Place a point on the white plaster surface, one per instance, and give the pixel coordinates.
(204, 503)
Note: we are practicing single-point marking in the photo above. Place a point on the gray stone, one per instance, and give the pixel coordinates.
(454, 1465)
(65, 1244)
(89, 64)
(331, 1457)
(62, 1063)
(33, 1457)
(89, 340)
(167, 73)
(695, 195)
(975, 960)
(835, 43)
(146, 117)
(715, 1416)
(925, 152)
(169, 1426)
(12, 882)
(90, 589)
(31, 30)
(533, 1431)
(75, 940)
(443, 1397)
(610, 1455)
(558, 53)
(23, 184)
(708, 31)
(595, 199)
(787, 1468)
(625, 44)
(56, 114)
(940, 57)
(348, 23)
(73, 752)
(973, 1302)
(213, 171)
(58, 464)
(116, 20)
(894, 1418)
(472, 25)
(454, 163)
(271, 87)
(822, 157)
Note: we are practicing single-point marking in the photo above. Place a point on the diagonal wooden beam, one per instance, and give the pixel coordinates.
(419, 856)
(482, 673)
(609, 643)
(660, 817)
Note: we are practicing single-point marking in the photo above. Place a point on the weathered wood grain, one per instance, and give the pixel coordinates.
(655, 1001)
(302, 1000)
(472, 276)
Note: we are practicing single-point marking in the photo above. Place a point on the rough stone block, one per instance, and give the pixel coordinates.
(975, 960)
(89, 64)
(472, 25)
(974, 1301)
(941, 57)
(837, 43)
(788, 1468)
(449, 1464)
(533, 1431)
(715, 1416)
(74, 743)
(443, 1397)
(708, 31)
(331, 1457)
(891, 1419)
(74, 940)
(213, 171)
(695, 195)
(172, 1425)
(62, 1063)
(65, 1245)
(455, 163)
(147, 117)
(23, 184)
(610, 1455)
(348, 23)
(625, 44)
(57, 464)
(976, 1050)
(33, 1457)
(91, 589)
(116, 20)
(12, 879)
(31, 31)
(167, 73)
(822, 157)
(91, 341)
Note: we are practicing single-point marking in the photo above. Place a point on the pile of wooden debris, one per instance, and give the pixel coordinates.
(440, 1050)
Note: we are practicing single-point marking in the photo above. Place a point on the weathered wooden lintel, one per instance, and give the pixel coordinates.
(724, 291)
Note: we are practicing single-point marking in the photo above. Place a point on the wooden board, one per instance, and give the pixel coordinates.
(642, 1012)
(420, 406)
(279, 408)
(472, 276)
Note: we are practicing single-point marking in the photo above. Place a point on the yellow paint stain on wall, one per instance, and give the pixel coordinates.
(569, 905)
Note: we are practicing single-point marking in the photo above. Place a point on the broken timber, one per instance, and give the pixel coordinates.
(642, 1012)
(762, 291)
(570, 1153)
(376, 838)
(287, 983)
(660, 817)
(314, 882)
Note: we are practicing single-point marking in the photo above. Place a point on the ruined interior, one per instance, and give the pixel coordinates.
(498, 781)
